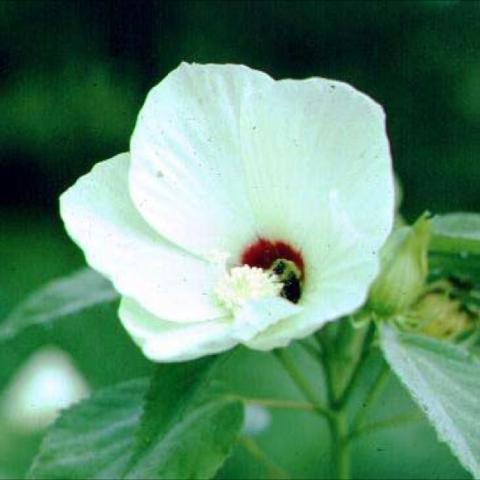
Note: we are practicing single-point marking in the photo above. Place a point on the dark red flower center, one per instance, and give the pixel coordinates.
(283, 260)
(264, 252)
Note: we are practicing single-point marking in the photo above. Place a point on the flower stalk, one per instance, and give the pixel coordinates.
(340, 445)
(301, 382)
(357, 342)
(340, 382)
(373, 394)
(335, 415)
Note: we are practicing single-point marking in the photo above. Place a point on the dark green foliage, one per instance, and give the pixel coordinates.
(180, 426)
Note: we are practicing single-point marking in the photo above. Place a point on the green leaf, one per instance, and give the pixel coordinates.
(456, 232)
(444, 379)
(455, 246)
(181, 426)
(188, 426)
(65, 296)
(442, 265)
(94, 438)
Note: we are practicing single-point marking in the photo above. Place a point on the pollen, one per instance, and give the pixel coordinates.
(246, 283)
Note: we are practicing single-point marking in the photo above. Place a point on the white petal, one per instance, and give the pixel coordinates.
(187, 173)
(319, 171)
(259, 314)
(327, 304)
(163, 341)
(101, 218)
(310, 144)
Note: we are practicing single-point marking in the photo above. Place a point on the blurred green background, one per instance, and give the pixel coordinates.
(73, 75)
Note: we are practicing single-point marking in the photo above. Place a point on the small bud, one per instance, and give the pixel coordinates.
(439, 316)
(404, 269)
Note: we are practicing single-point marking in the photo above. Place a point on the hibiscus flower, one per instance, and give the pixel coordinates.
(248, 210)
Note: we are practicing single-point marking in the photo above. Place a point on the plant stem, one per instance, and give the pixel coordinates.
(338, 422)
(365, 349)
(389, 422)
(339, 388)
(301, 382)
(286, 404)
(339, 429)
(252, 447)
(372, 396)
(324, 360)
(313, 351)
(340, 445)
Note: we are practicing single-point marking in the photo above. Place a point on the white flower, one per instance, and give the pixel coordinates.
(257, 419)
(247, 211)
(44, 385)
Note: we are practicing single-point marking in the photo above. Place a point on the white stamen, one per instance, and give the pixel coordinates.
(246, 283)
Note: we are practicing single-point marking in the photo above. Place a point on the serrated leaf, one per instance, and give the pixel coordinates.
(188, 426)
(456, 232)
(444, 379)
(94, 438)
(181, 425)
(65, 296)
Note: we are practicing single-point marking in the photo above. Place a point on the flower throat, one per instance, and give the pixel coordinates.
(280, 259)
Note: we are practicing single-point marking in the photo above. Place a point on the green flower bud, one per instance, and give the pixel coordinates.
(442, 317)
(404, 269)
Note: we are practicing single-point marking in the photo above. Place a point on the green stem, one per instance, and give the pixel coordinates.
(387, 423)
(254, 449)
(326, 369)
(339, 386)
(275, 403)
(337, 423)
(313, 351)
(372, 396)
(301, 382)
(339, 428)
(365, 349)
(340, 445)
